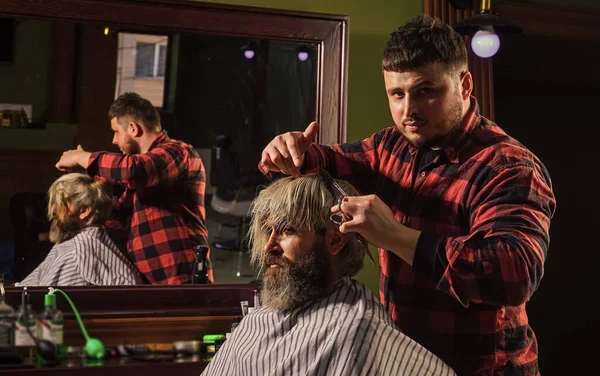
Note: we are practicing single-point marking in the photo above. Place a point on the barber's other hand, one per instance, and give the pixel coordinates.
(374, 220)
(73, 158)
(285, 153)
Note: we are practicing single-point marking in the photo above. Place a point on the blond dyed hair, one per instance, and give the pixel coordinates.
(71, 194)
(304, 204)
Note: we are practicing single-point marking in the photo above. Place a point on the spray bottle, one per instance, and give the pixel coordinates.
(26, 322)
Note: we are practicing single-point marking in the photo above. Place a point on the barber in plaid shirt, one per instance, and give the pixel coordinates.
(460, 211)
(163, 183)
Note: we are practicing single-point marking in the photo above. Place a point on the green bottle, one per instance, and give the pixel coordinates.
(51, 322)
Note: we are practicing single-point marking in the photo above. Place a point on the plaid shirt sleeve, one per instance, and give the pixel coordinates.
(501, 260)
(357, 162)
(159, 166)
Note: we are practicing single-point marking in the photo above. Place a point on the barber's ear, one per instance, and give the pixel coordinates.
(84, 213)
(335, 241)
(466, 85)
(134, 129)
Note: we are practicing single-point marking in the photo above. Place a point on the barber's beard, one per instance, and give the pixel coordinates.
(293, 284)
(130, 147)
(65, 229)
(453, 122)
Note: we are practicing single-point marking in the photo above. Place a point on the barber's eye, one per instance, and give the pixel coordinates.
(289, 230)
(426, 90)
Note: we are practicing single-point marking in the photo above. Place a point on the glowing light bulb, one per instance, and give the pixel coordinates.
(249, 54)
(485, 42)
(302, 56)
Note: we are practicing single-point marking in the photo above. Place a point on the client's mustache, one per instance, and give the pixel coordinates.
(276, 260)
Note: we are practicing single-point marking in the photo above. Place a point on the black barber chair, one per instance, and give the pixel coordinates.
(28, 217)
(225, 177)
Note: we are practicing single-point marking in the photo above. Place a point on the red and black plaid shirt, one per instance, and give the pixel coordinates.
(484, 208)
(163, 204)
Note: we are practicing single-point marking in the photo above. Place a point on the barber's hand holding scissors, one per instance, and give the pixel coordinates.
(374, 220)
(285, 153)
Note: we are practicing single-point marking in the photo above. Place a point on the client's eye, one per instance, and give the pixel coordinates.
(289, 230)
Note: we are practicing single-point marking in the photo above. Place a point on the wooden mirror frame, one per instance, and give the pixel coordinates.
(329, 32)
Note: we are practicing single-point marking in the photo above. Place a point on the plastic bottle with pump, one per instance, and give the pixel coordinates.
(51, 322)
(201, 266)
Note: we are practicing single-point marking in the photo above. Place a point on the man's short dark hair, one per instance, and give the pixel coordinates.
(132, 106)
(422, 41)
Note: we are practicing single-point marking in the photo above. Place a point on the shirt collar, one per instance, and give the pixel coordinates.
(160, 138)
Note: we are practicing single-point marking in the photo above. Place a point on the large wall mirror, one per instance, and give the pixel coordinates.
(218, 75)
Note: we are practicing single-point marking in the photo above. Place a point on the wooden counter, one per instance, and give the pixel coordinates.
(114, 367)
(139, 315)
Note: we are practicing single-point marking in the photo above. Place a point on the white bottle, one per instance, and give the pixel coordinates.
(26, 318)
(7, 320)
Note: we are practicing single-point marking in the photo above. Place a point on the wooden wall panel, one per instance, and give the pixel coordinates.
(62, 73)
(129, 331)
(96, 87)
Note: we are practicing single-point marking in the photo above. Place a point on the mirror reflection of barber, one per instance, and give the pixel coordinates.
(161, 182)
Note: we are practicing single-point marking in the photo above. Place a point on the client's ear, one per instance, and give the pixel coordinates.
(334, 241)
(84, 213)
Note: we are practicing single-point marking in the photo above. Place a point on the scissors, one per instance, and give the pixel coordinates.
(340, 217)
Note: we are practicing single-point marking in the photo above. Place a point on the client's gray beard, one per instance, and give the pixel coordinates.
(293, 284)
(61, 231)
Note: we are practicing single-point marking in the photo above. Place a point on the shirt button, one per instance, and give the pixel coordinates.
(424, 173)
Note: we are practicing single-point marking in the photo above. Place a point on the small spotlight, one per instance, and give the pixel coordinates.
(302, 56)
(250, 50)
(106, 30)
(303, 53)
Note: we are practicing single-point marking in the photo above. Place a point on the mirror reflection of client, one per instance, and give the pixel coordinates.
(83, 253)
(315, 319)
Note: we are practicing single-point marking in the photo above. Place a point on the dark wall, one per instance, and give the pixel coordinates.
(546, 96)
(218, 91)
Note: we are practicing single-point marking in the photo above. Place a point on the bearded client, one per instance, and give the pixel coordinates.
(315, 319)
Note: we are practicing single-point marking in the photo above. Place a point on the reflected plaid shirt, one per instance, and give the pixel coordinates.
(484, 207)
(163, 204)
